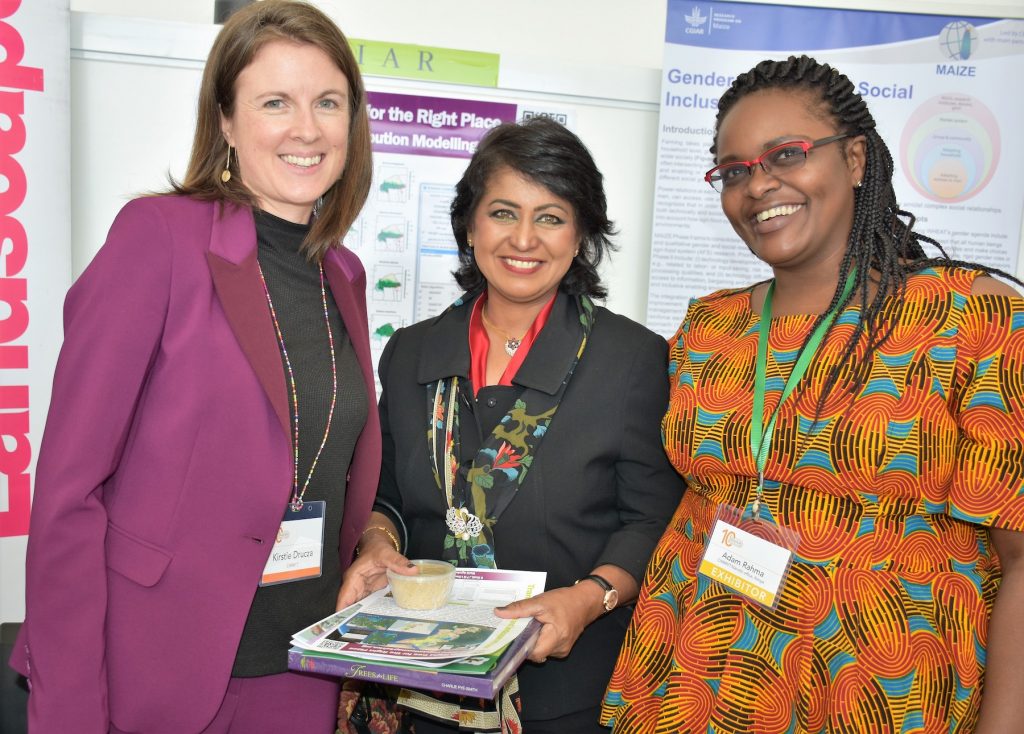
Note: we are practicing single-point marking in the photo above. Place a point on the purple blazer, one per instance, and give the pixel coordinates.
(164, 471)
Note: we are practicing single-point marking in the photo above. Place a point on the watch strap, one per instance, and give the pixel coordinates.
(601, 581)
(611, 595)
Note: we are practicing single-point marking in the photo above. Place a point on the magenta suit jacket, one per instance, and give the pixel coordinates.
(164, 471)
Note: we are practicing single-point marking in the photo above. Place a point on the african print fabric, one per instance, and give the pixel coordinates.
(882, 622)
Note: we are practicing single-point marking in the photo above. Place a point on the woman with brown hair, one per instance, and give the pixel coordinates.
(211, 452)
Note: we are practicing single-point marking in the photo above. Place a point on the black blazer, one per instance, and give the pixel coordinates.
(600, 490)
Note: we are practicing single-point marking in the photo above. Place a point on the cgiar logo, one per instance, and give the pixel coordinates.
(695, 19)
(696, 22)
(958, 40)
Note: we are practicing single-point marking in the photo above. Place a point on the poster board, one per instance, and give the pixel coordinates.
(934, 84)
(126, 141)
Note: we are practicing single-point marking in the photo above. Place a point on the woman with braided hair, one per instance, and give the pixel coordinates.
(848, 556)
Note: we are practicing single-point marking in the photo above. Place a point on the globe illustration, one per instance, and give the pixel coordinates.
(949, 148)
(958, 40)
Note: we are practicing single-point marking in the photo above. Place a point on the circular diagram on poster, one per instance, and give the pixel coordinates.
(950, 147)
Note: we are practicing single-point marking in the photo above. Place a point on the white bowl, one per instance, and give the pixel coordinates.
(429, 589)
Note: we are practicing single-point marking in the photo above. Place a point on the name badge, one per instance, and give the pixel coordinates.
(749, 555)
(299, 547)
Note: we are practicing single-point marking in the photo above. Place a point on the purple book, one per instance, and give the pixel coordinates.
(454, 678)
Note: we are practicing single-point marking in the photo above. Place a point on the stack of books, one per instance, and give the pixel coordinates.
(461, 648)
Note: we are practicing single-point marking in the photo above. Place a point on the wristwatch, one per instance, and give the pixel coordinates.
(611, 596)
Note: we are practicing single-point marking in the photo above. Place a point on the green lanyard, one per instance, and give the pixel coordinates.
(761, 433)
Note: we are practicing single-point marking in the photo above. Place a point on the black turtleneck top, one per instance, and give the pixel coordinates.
(293, 281)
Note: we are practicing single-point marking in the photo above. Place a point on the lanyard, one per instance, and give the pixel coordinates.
(295, 503)
(761, 432)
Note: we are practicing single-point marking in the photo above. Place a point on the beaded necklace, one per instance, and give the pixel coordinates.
(296, 501)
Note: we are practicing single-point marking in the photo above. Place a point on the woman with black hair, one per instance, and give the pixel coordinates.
(543, 404)
(849, 554)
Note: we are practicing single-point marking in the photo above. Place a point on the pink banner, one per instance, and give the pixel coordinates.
(35, 255)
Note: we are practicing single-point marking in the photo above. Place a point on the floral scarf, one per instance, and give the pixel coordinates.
(477, 496)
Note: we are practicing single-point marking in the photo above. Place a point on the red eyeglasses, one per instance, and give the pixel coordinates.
(775, 161)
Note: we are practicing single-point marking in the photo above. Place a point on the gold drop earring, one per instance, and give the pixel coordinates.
(225, 175)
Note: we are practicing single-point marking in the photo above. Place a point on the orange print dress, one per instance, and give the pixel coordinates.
(882, 621)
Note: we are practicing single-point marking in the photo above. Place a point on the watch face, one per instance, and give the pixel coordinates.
(611, 598)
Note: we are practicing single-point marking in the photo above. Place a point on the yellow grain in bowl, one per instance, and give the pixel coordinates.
(429, 589)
